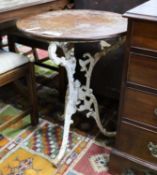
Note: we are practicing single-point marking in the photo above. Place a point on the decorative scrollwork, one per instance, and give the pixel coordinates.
(79, 97)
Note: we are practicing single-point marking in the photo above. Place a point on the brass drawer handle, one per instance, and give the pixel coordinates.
(153, 149)
(155, 111)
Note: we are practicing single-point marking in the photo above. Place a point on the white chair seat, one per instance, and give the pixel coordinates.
(10, 60)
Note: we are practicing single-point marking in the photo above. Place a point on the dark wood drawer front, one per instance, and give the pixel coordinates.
(137, 142)
(144, 35)
(140, 106)
(142, 70)
(129, 167)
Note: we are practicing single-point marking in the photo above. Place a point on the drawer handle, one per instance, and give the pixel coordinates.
(153, 149)
(155, 111)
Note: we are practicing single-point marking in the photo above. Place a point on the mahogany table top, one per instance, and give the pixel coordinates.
(80, 25)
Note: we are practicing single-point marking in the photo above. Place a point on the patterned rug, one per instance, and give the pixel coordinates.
(25, 150)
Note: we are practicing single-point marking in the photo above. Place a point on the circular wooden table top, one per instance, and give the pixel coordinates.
(74, 25)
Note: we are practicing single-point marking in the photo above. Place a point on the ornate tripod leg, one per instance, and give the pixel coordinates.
(96, 116)
(70, 109)
(87, 100)
(71, 96)
(92, 106)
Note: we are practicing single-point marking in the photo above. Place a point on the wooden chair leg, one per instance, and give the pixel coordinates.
(0, 41)
(11, 45)
(24, 40)
(32, 94)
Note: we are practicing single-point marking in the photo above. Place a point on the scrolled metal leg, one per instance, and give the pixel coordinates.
(69, 63)
(98, 121)
(70, 109)
(86, 99)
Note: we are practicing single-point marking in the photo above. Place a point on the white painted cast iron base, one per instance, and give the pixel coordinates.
(76, 96)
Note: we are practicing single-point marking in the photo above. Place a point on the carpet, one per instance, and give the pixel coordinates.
(25, 150)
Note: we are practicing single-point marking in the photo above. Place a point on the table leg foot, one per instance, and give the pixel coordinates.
(87, 100)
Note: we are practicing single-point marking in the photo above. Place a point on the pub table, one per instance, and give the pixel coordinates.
(65, 29)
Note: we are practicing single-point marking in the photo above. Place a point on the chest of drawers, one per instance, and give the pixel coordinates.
(135, 151)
